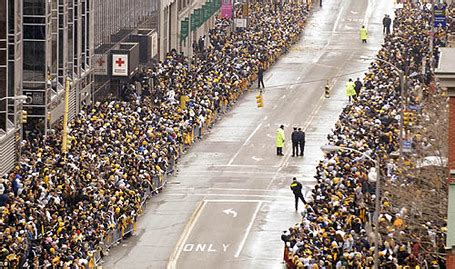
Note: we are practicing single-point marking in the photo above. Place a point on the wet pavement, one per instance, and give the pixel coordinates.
(230, 201)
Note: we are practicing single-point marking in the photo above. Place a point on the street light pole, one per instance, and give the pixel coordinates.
(377, 206)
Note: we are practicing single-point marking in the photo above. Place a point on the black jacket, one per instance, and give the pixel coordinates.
(296, 187)
(295, 137)
(301, 136)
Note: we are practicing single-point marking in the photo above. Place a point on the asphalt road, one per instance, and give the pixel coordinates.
(230, 201)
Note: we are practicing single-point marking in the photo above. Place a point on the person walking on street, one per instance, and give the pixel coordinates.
(279, 140)
(386, 22)
(363, 34)
(357, 87)
(301, 139)
(296, 188)
(295, 142)
(320, 3)
(260, 76)
(350, 89)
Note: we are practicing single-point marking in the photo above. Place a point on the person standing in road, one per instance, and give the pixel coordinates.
(301, 139)
(386, 22)
(296, 188)
(279, 140)
(295, 142)
(363, 34)
(350, 89)
(357, 87)
(260, 76)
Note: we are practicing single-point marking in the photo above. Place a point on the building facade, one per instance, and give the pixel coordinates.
(184, 21)
(10, 80)
(119, 24)
(58, 45)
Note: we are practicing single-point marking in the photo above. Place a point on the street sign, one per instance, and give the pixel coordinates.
(440, 19)
(407, 146)
(240, 23)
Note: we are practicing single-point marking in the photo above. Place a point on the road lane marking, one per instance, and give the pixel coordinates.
(236, 189)
(225, 247)
(337, 20)
(248, 229)
(231, 195)
(230, 211)
(244, 144)
(186, 233)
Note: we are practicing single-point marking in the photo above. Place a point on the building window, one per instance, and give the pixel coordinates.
(34, 60)
(34, 7)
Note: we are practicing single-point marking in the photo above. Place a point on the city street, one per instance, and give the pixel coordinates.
(230, 201)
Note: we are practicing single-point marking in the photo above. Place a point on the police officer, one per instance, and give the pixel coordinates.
(296, 188)
(301, 139)
(295, 142)
(279, 140)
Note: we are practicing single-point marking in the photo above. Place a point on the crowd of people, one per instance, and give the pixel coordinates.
(336, 228)
(56, 208)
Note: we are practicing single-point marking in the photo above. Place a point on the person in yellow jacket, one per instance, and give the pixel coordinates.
(363, 34)
(350, 89)
(279, 140)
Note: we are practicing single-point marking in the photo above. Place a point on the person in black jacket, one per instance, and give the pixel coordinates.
(386, 22)
(296, 188)
(260, 76)
(357, 87)
(295, 142)
(301, 139)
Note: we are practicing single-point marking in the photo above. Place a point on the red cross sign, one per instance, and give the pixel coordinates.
(120, 65)
(120, 62)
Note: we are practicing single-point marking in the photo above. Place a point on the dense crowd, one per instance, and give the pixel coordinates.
(56, 208)
(335, 231)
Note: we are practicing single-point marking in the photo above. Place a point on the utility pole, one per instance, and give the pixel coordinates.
(65, 117)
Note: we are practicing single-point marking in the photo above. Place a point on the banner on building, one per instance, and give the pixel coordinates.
(100, 64)
(120, 65)
(226, 9)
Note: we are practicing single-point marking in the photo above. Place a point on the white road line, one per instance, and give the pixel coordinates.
(252, 134)
(235, 189)
(244, 144)
(248, 229)
(233, 195)
(235, 201)
(337, 20)
(368, 12)
(184, 237)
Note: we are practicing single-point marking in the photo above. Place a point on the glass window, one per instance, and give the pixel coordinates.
(2, 19)
(34, 60)
(34, 31)
(34, 7)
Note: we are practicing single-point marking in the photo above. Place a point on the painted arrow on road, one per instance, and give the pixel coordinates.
(257, 159)
(229, 212)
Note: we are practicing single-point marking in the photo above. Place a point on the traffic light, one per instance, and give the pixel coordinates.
(24, 116)
(259, 100)
(408, 118)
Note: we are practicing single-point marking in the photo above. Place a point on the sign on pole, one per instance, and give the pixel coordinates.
(440, 19)
(120, 65)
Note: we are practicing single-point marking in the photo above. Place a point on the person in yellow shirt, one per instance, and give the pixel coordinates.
(363, 34)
